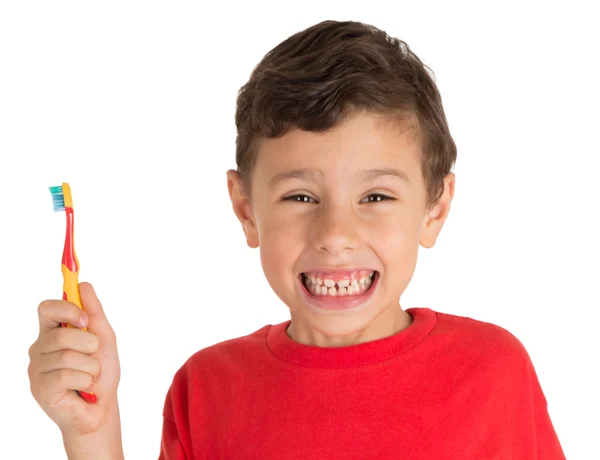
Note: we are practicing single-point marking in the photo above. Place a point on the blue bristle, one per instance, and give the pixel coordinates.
(58, 199)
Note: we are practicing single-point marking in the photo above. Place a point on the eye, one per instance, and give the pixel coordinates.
(300, 198)
(376, 197)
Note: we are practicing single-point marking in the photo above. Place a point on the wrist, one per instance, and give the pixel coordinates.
(103, 444)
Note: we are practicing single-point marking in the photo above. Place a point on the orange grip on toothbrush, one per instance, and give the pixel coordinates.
(70, 271)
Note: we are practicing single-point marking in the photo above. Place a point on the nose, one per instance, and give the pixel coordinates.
(335, 230)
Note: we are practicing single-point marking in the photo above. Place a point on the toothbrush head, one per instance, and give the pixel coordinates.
(61, 197)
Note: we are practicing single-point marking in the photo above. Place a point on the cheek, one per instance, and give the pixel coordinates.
(281, 245)
(396, 243)
(281, 241)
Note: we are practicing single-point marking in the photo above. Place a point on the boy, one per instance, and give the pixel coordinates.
(344, 161)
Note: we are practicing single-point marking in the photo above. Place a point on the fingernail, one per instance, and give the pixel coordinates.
(83, 319)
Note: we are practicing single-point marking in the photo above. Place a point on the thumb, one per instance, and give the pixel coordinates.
(97, 321)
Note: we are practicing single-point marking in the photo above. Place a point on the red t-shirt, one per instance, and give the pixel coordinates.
(446, 387)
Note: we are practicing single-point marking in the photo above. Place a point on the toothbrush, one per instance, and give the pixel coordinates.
(62, 201)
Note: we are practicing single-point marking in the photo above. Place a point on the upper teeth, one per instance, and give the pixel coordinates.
(345, 286)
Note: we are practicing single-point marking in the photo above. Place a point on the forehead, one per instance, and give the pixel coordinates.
(364, 141)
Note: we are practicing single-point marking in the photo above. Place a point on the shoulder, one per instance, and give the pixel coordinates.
(481, 340)
(224, 358)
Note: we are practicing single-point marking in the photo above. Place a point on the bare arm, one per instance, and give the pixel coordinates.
(103, 444)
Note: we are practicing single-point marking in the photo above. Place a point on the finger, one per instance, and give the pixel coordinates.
(66, 338)
(97, 321)
(67, 359)
(61, 380)
(52, 313)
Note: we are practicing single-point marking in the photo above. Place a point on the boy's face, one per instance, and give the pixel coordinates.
(330, 208)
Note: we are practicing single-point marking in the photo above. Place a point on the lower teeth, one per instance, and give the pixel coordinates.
(353, 289)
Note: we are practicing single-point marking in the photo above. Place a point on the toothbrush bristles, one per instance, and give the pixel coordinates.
(58, 199)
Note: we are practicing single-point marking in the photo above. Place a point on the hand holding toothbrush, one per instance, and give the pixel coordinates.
(63, 360)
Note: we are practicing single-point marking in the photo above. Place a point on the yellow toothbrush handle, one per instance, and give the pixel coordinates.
(71, 288)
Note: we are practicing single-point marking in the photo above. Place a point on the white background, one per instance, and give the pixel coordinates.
(132, 103)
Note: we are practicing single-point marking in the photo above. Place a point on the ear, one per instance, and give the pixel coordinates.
(242, 207)
(437, 214)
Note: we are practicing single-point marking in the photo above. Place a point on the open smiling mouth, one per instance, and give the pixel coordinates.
(359, 284)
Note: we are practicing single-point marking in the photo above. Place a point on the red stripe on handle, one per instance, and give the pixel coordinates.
(87, 397)
(69, 252)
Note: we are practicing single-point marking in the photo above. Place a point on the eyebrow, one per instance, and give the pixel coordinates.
(374, 173)
(310, 175)
(303, 173)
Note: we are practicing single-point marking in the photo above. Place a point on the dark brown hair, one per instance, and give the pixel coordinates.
(317, 77)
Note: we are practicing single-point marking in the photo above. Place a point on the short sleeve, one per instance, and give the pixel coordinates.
(547, 443)
(170, 444)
